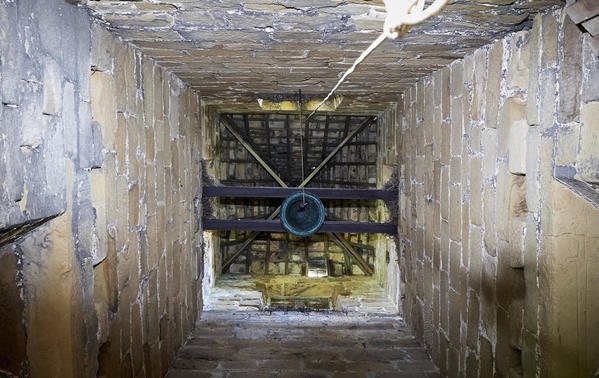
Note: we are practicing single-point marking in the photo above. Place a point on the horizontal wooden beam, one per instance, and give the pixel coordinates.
(275, 226)
(322, 193)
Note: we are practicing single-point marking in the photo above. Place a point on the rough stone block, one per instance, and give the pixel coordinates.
(479, 84)
(590, 71)
(476, 189)
(517, 69)
(533, 140)
(102, 49)
(587, 161)
(533, 107)
(570, 75)
(489, 217)
(512, 134)
(492, 93)
(455, 213)
(549, 41)
(457, 125)
(476, 253)
(103, 107)
(52, 82)
(566, 146)
(489, 152)
(488, 297)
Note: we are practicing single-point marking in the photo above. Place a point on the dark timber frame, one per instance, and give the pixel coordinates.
(344, 244)
(322, 193)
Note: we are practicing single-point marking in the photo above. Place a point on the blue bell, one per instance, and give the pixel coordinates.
(302, 214)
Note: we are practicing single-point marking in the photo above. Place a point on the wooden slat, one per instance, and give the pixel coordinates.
(269, 225)
(275, 192)
(583, 10)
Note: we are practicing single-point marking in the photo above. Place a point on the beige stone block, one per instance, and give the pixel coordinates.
(99, 199)
(517, 70)
(490, 237)
(455, 169)
(533, 77)
(446, 92)
(517, 147)
(455, 259)
(457, 78)
(455, 213)
(465, 232)
(479, 84)
(492, 93)
(134, 205)
(549, 41)
(587, 167)
(489, 152)
(475, 250)
(533, 155)
(122, 219)
(513, 129)
(488, 298)
(567, 143)
(475, 191)
(444, 199)
(444, 246)
(457, 125)
(445, 142)
(102, 90)
(121, 143)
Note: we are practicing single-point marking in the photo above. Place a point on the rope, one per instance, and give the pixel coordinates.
(301, 144)
(400, 13)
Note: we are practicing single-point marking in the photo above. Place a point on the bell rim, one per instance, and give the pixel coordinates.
(289, 200)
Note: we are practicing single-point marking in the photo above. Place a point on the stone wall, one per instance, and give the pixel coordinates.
(44, 113)
(498, 256)
(146, 198)
(104, 144)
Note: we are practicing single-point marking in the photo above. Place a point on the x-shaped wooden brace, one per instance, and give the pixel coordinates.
(337, 238)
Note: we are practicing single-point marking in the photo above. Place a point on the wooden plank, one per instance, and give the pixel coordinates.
(276, 192)
(582, 10)
(270, 225)
(232, 128)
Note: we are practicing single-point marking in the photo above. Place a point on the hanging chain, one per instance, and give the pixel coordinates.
(301, 144)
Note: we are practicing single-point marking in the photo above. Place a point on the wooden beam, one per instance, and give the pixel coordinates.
(276, 192)
(232, 125)
(270, 225)
(232, 128)
(267, 256)
(347, 248)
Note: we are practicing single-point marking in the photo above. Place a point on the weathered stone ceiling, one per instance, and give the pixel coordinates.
(231, 51)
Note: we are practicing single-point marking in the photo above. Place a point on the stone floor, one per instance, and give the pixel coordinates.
(253, 293)
(314, 345)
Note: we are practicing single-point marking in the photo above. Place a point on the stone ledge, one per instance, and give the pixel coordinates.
(12, 233)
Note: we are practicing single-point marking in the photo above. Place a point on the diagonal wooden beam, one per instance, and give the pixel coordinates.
(349, 250)
(236, 254)
(232, 128)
